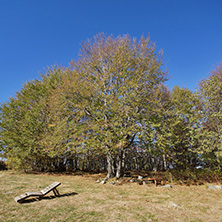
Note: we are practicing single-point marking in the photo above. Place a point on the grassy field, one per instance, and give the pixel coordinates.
(82, 199)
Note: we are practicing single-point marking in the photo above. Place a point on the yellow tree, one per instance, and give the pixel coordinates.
(108, 93)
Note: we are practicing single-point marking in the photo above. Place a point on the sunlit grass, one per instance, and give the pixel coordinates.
(82, 199)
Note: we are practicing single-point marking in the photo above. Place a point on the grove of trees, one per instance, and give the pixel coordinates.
(110, 110)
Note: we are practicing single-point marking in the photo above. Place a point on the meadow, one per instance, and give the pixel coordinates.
(83, 199)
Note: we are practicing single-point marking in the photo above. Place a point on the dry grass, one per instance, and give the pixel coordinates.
(82, 199)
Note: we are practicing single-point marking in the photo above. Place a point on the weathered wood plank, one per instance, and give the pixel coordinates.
(155, 181)
(50, 188)
(26, 195)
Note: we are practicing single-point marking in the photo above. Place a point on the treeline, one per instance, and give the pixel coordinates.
(110, 110)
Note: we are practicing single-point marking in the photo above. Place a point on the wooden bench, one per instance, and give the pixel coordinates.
(155, 181)
(52, 187)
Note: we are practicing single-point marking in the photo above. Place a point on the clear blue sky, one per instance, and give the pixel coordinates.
(35, 34)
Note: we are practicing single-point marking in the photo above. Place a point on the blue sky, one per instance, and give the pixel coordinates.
(35, 34)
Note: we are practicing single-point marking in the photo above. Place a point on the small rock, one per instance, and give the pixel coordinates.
(214, 187)
(119, 197)
(140, 177)
(167, 186)
(172, 204)
(112, 183)
(144, 183)
(132, 181)
(98, 181)
(103, 182)
(9, 192)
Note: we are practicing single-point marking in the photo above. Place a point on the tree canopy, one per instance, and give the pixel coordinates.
(110, 109)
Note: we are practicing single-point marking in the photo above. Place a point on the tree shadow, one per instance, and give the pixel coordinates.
(46, 198)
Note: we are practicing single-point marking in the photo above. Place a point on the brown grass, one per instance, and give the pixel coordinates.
(82, 199)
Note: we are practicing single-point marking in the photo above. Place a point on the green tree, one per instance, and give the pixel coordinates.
(101, 105)
(24, 122)
(184, 127)
(113, 83)
(211, 131)
(173, 125)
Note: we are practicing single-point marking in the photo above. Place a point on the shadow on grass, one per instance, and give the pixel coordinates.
(47, 198)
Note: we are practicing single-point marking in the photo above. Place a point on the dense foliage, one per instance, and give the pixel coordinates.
(111, 110)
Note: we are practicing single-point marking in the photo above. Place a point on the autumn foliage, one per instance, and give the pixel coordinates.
(110, 110)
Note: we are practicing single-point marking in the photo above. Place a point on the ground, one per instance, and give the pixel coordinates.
(82, 199)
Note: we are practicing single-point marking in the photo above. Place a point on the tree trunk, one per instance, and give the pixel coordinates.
(120, 164)
(156, 162)
(110, 166)
(164, 163)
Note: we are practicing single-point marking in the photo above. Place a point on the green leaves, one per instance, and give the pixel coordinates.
(118, 76)
(25, 121)
(113, 102)
(211, 130)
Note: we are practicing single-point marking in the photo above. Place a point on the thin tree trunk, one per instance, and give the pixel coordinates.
(120, 164)
(110, 166)
(164, 163)
(156, 163)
